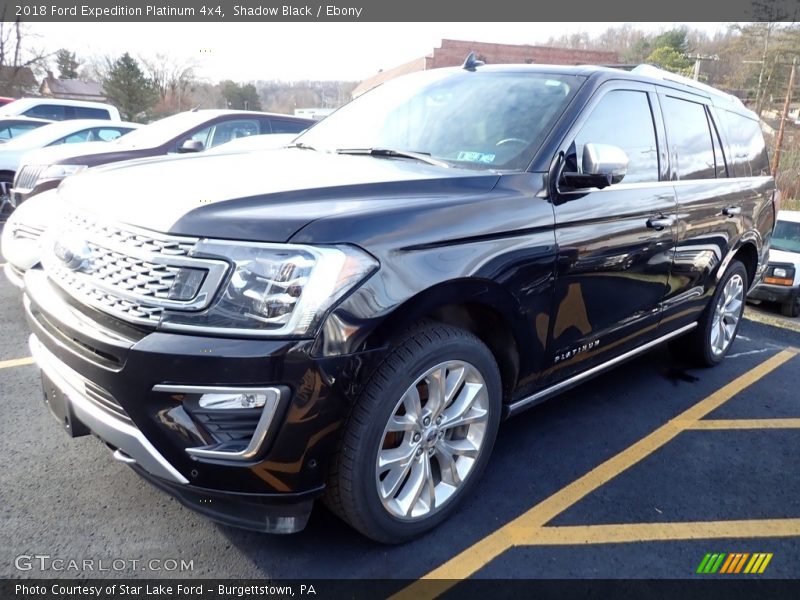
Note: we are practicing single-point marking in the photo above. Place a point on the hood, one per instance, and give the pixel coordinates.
(263, 196)
(54, 154)
(781, 256)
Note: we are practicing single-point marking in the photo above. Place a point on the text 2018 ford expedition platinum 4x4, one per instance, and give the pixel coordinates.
(351, 318)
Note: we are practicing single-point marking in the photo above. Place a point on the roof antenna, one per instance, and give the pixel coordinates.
(472, 62)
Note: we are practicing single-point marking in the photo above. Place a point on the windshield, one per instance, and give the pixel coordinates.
(482, 120)
(162, 130)
(43, 135)
(786, 236)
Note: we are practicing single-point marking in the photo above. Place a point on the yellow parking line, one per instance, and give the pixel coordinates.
(744, 424)
(525, 528)
(16, 362)
(654, 532)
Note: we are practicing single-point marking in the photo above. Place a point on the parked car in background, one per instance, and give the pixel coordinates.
(351, 317)
(58, 109)
(254, 143)
(781, 281)
(54, 134)
(20, 239)
(5, 100)
(13, 127)
(191, 131)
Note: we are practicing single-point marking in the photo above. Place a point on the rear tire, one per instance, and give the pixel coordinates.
(716, 330)
(419, 435)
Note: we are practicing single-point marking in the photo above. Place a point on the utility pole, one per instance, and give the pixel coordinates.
(698, 58)
(776, 160)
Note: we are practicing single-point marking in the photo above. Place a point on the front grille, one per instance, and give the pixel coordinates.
(130, 273)
(27, 177)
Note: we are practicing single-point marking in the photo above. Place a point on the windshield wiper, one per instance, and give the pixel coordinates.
(420, 156)
(301, 145)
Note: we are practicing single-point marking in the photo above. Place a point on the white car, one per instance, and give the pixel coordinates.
(21, 236)
(781, 281)
(62, 132)
(58, 109)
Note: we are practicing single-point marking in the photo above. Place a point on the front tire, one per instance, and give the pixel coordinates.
(791, 308)
(419, 435)
(711, 340)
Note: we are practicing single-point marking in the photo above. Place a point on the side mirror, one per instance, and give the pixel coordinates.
(603, 165)
(191, 146)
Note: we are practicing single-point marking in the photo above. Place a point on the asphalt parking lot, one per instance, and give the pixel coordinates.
(640, 473)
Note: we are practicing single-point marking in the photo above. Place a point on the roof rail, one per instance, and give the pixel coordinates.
(656, 73)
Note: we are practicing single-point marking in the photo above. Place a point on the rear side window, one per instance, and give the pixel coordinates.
(623, 118)
(84, 112)
(747, 148)
(47, 111)
(689, 139)
(78, 136)
(280, 126)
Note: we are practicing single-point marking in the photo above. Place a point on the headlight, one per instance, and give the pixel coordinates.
(274, 289)
(59, 172)
(779, 272)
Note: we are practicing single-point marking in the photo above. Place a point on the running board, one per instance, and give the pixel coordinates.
(520, 405)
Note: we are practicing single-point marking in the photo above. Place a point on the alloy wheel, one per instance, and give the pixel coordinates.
(432, 441)
(727, 313)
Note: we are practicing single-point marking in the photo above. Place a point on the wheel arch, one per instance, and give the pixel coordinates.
(479, 306)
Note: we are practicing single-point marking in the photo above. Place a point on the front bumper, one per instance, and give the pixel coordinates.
(81, 350)
(774, 293)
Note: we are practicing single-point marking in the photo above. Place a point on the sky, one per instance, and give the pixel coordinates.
(296, 51)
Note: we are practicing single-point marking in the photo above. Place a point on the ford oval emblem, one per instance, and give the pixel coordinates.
(74, 253)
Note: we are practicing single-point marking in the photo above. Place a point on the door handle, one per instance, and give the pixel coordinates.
(661, 223)
(732, 211)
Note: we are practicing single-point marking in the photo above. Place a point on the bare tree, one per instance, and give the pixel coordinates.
(172, 79)
(16, 55)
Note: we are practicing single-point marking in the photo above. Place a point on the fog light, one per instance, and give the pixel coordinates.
(226, 401)
(780, 273)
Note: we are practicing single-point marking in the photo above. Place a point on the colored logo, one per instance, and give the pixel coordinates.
(734, 562)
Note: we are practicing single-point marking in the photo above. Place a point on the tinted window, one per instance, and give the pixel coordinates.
(747, 148)
(83, 112)
(280, 126)
(623, 118)
(481, 120)
(232, 130)
(719, 157)
(689, 139)
(78, 136)
(17, 129)
(47, 111)
(106, 134)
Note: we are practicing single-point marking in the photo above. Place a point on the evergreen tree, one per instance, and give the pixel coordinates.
(67, 64)
(128, 88)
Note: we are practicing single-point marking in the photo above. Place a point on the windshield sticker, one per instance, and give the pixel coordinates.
(476, 157)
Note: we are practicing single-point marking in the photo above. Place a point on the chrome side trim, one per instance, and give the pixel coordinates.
(519, 405)
(119, 434)
(260, 433)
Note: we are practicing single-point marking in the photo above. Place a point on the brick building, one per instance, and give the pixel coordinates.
(452, 53)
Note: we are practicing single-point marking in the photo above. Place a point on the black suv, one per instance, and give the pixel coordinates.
(352, 317)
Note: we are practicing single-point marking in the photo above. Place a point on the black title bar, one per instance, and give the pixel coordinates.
(401, 11)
